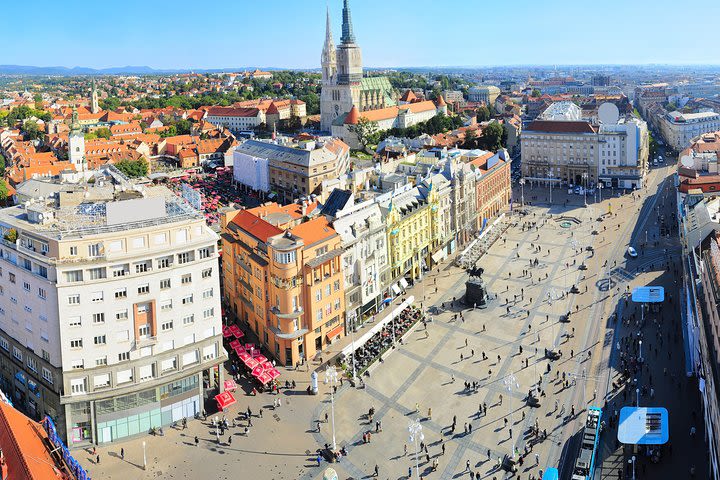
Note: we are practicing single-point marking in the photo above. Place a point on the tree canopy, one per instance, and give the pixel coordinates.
(133, 168)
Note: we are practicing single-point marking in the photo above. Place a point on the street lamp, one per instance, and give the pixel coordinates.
(510, 383)
(144, 457)
(637, 397)
(416, 437)
(600, 187)
(352, 338)
(549, 177)
(632, 460)
(585, 178)
(331, 377)
(640, 358)
(522, 192)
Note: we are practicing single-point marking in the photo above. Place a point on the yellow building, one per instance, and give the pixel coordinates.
(413, 231)
(283, 278)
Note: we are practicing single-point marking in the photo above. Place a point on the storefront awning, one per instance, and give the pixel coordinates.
(439, 256)
(224, 400)
(395, 289)
(335, 332)
(403, 283)
(643, 426)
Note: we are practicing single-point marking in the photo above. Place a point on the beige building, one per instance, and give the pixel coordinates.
(110, 317)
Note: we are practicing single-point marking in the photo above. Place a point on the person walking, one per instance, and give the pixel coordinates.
(197, 441)
(122, 454)
(377, 470)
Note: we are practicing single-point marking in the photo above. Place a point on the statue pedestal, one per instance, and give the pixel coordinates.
(476, 293)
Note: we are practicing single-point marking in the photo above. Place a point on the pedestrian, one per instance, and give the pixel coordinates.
(467, 465)
(229, 439)
(405, 449)
(197, 440)
(377, 470)
(318, 460)
(122, 454)
(537, 459)
(97, 460)
(443, 448)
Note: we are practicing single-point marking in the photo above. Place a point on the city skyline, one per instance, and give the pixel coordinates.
(127, 41)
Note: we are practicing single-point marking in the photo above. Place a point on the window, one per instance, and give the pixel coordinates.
(146, 372)
(42, 293)
(187, 300)
(100, 340)
(77, 343)
(124, 376)
(165, 284)
(165, 262)
(46, 356)
(144, 289)
(26, 264)
(120, 270)
(123, 357)
(190, 358)
(4, 344)
(160, 238)
(73, 250)
(319, 314)
(336, 285)
(186, 279)
(208, 312)
(142, 267)
(121, 315)
(166, 305)
(99, 362)
(75, 321)
(78, 386)
(144, 330)
(74, 299)
(101, 381)
(17, 353)
(189, 319)
(328, 291)
(285, 257)
(97, 273)
(94, 250)
(47, 375)
(32, 364)
(11, 276)
(74, 276)
(96, 297)
(337, 304)
(209, 352)
(185, 257)
(207, 273)
(138, 242)
(166, 326)
(26, 286)
(122, 293)
(208, 293)
(167, 365)
(205, 252)
(98, 318)
(318, 294)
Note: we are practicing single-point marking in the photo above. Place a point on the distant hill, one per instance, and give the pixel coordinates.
(141, 70)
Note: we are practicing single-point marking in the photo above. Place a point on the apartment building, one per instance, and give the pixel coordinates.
(283, 278)
(493, 188)
(110, 317)
(296, 169)
(679, 129)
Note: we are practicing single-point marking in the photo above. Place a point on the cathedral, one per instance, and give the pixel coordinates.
(348, 96)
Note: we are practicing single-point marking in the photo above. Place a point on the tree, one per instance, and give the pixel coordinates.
(103, 132)
(133, 168)
(37, 98)
(2, 163)
(471, 140)
(31, 130)
(366, 131)
(312, 103)
(110, 103)
(535, 93)
(183, 127)
(483, 114)
(491, 137)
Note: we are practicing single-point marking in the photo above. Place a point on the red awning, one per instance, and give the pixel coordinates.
(260, 358)
(250, 362)
(334, 332)
(226, 332)
(235, 344)
(243, 355)
(229, 385)
(274, 373)
(257, 370)
(235, 330)
(224, 400)
(264, 378)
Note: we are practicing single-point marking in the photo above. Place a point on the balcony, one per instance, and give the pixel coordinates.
(297, 313)
(288, 336)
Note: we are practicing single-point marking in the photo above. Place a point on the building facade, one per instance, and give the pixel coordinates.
(110, 317)
(284, 280)
(486, 94)
(679, 129)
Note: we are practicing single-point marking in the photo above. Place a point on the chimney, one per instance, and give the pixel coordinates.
(304, 208)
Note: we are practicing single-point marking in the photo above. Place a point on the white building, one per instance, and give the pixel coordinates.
(562, 111)
(484, 93)
(365, 258)
(251, 170)
(623, 153)
(110, 315)
(678, 129)
(236, 119)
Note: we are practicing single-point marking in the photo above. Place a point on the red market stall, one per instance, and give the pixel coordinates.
(229, 385)
(226, 332)
(235, 330)
(243, 355)
(260, 358)
(264, 378)
(250, 362)
(235, 344)
(274, 373)
(239, 350)
(224, 400)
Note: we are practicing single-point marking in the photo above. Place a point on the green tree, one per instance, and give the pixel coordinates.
(31, 130)
(483, 114)
(90, 136)
(491, 137)
(110, 103)
(366, 131)
(535, 93)
(170, 132)
(2, 163)
(4, 194)
(37, 98)
(133, 168)
(103, 132)
(312, 103)
(183, 127)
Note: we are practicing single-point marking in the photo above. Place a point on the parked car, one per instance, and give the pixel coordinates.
(632, 253)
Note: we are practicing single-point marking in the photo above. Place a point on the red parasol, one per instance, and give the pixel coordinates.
(260, 358)
(226, 332)
(235, 344)
(243, 355)
(224, 400)
(274, 373)
(257, 370)
(230, 385)
(250, 362)
(236, 332)
(264, 378)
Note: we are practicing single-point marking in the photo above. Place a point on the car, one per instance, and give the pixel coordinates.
(632, 253)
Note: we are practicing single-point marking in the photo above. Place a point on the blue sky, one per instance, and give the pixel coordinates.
(289, 33)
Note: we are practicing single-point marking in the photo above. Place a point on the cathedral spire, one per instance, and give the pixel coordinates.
(328, 29)
(347, 29)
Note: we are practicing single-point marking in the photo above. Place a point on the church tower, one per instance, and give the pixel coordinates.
(94, 106)
(329, 59)
(76, 143)
(341, 90)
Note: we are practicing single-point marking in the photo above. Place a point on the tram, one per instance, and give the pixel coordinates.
(585, 463)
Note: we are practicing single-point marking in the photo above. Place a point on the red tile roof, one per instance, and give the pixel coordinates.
(255, 226)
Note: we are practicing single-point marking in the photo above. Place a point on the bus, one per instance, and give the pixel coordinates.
(585, 464)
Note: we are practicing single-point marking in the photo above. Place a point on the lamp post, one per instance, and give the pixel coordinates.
(522, 192)
(549, 177)
(352, 339)
(416, 436)
(585, 179)
(331, 377)
(640, 357)
(510, 383)
(637, 397)
(632, 460)
(144, 457)
(600, 187)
